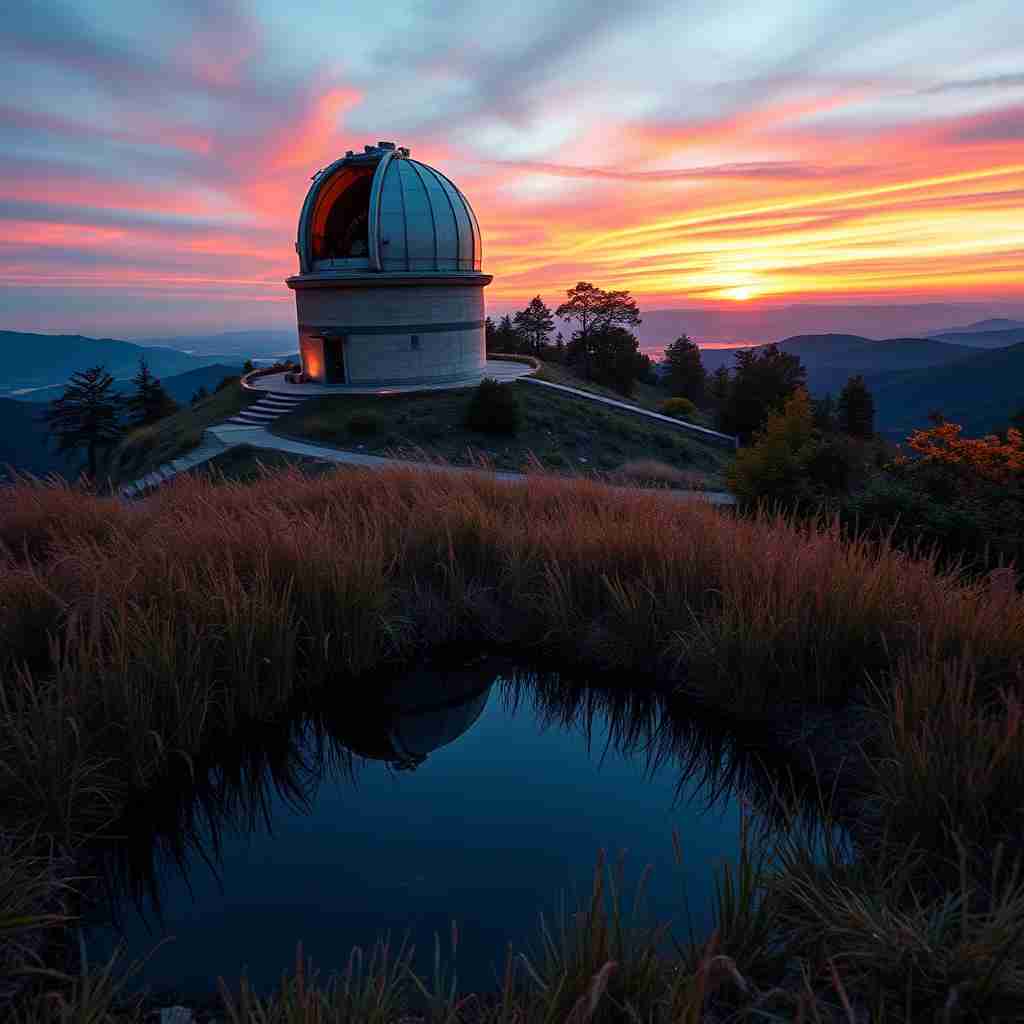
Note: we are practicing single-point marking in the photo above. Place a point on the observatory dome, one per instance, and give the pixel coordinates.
(383, 211)
(389, 290)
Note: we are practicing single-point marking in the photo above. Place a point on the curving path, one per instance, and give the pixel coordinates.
(249, 427)
(260, 437)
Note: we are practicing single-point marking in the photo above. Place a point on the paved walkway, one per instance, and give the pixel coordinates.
(249, 427)
(210, 447)
(260, 437)
(711, 435)
(501, 370)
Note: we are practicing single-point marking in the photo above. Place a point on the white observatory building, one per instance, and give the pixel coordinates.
(389, 289)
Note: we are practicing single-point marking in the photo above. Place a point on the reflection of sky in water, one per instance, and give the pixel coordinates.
(487, 831)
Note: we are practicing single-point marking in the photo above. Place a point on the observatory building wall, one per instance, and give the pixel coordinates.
(372, 333)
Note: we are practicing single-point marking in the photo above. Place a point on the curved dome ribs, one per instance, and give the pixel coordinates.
(397, 214)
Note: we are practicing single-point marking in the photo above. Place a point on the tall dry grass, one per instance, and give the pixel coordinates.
(133, 636)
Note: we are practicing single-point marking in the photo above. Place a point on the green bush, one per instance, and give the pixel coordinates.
(362, 424)
(493, 409)
(680, 408)
(982, 531)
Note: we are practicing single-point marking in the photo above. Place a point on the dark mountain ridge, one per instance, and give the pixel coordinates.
(831, 359)
(985, 326)
(180, 386)
(39, 360)
(757, 324)
(981, 393)
(983, 339)
(230, 345)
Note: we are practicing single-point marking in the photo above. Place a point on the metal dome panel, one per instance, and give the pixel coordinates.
(415, 219)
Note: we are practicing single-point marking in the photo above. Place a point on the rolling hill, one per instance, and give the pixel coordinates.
(232, 345)
(39, 360)
(754, 324)
(984, 339)
(981, 393)
(180, 386)
(985, 326)
(831, 359)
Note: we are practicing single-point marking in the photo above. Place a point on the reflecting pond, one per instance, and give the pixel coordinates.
(475, 794)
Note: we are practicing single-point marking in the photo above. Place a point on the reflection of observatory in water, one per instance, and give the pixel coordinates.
(423, 712)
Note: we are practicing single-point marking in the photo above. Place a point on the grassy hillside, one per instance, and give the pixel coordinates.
(148, 447)
(561, 431)
(24, 442)
(646, 396)
(32, 360)
(981, 393)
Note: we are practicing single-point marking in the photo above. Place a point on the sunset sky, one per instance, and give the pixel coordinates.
(154, 156)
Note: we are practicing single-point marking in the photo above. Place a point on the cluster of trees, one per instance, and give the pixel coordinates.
(601, 346)
(90, 416)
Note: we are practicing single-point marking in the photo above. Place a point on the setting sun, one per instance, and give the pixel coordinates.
(740, 294)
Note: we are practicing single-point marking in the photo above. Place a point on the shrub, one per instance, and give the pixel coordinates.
(493, 409)
(772, 469)
(652, 472)
(362, 424)
(226, 382)
(680, 408)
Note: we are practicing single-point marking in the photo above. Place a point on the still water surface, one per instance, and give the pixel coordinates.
(477, 795)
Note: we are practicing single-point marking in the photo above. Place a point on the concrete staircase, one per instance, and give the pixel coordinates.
(267, 409)
(210, 447)
(259, 414)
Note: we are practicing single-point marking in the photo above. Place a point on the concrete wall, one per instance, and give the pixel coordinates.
(391, 358)
(411, 334)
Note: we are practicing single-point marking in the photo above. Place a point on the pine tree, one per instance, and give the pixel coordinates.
(762, 381)
(490, 335)
(825, 414)
(506, 337)
(150, 402)
(535, 324)
(855, 410)
(86, 415)
(718, 386)
(685, 376)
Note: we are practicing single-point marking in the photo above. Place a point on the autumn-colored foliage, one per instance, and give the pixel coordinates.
(990, 458)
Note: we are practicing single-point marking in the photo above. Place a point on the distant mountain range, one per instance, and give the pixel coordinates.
(180, 386)
(979, 386)
(831, 359)
(40, 360)
(755, 325)
(980, 392)
(240, 345)
(984, 326)
(984, 339)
